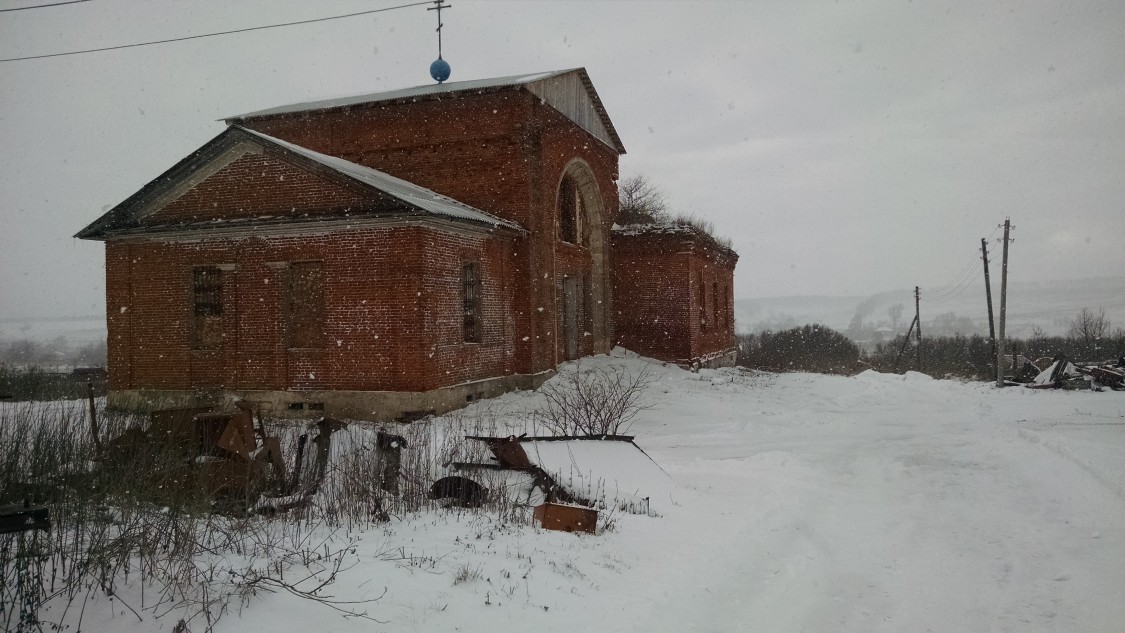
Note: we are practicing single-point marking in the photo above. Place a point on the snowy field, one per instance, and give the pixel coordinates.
(799, 503)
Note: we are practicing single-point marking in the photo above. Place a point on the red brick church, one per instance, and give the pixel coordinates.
(399, 253)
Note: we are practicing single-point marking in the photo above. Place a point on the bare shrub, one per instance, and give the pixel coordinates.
(583, 400)
(467, 573)
(111, 529)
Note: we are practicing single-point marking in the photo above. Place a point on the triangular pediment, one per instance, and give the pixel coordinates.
(245, 177)
(248, 182)
(573, 95)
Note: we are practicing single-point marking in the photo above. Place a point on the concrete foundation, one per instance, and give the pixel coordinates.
(373, 406)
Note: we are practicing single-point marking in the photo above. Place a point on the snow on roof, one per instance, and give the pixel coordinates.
(663, 228)
(404, 93)
(403, 190)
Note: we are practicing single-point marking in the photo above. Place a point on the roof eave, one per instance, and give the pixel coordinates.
(285, 225)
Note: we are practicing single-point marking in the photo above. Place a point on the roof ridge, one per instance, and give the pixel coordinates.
(390, 95)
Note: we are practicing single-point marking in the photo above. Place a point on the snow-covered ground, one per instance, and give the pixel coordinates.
(800, 503)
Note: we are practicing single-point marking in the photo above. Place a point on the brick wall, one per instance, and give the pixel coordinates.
(504, 153)
(656, 279)
(256, 184)
(392, 312)
(393, 296)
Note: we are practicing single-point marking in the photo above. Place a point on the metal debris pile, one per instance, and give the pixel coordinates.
(224, 456)
(1061, 373)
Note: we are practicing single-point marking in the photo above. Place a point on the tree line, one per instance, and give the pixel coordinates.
(819, 348)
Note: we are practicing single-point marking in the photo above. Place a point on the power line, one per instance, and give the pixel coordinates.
(195, 37)
(965, 271)
(43, 6)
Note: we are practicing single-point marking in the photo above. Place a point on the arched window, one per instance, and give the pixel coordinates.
(569, 211)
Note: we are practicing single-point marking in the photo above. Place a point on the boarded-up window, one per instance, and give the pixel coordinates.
(207, 307)
(470, 301)
(568, 211)
(306, 304)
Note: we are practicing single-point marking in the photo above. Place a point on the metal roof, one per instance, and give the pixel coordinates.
(408, 192)
(557, 88)
(126, 217)
(404, 93)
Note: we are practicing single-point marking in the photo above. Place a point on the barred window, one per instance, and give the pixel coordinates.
(470, 301)
(207, 307)
(306, 305)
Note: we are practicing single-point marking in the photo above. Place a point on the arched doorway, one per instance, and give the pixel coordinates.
(581, 221)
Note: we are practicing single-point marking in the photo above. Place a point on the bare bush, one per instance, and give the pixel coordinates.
(582, 400)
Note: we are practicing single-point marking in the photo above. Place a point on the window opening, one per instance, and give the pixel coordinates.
(715, 303)
(702, 303)
(207, 307)
(306, 305)
(470, 293)
(569, 205)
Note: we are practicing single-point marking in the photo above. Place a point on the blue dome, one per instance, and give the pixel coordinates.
(440, 70)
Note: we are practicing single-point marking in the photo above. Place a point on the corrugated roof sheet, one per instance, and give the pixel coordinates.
(405, 93)
(408, 192)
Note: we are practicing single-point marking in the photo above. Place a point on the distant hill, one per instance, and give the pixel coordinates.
(79, 329)
(1048, 305)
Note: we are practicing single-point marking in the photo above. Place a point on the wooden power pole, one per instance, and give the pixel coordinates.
(1003, 307)
(988, 297)
(918, 320)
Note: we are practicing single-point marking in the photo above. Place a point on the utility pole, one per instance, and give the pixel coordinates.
(1003, 307)
(918, 320)
(988, 297)
(905, 340)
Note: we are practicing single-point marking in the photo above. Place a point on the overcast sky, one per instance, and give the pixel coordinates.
(845, 147)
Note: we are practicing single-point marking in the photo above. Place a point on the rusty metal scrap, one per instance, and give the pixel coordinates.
(23, 517)
(223, 454)
(566, 518)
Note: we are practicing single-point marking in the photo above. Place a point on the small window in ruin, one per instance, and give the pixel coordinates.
(306, 305)
(207, 307)
(726, 307)
(569, 211)
(470, 301)
(715, 303)
(702, 303)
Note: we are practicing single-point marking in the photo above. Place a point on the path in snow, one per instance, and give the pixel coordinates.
(880, 503)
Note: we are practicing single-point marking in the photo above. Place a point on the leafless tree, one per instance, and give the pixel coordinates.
(594, 401)
(895, 313)
(1089, 326)
(641, 201)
